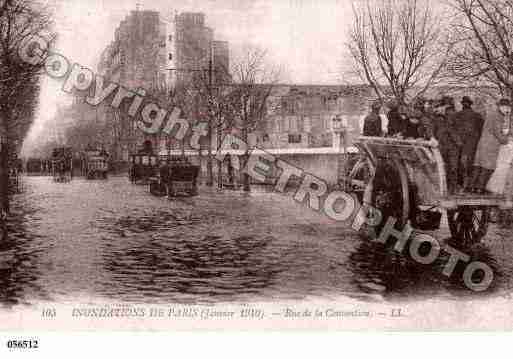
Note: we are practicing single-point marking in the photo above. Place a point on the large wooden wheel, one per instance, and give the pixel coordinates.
(360, 174)
(388, 192)
(358, 177)
(468, 224)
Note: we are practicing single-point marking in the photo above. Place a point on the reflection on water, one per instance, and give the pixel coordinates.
(112, 240)
(150, 258)
(379, 267)
(20, 252)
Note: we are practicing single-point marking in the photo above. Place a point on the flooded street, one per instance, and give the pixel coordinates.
(110, 240)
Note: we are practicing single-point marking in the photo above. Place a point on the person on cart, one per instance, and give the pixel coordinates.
(395, 120)
(470, 127)
(449, 141)
(494, 154)
(421, 122)
(372, 122)
(415, 121)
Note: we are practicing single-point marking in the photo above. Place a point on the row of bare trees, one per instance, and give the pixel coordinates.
(19, 82)
(226, 99)
(238, 101)
(403, 48)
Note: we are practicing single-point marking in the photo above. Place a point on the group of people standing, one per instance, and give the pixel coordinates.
(477, 151)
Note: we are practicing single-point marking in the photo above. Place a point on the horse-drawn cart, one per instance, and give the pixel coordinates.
(62, 164)
(143, 166)
(406, 180)
(95, 162)
(176, 177)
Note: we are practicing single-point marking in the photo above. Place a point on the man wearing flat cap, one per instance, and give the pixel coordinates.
(470, 127)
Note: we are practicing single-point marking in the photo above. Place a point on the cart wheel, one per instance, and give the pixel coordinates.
(468, 224)
(388, 192)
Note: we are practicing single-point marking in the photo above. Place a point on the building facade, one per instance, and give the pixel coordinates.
(221, 62)
(151, 52)
(139, 58)
(300, 116)
(193, 46)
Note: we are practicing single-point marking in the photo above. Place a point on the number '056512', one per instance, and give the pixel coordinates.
(22, 344)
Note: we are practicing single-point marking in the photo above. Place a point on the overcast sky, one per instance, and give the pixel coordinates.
(305, 36)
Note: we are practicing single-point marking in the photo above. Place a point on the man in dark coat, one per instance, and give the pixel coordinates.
(445, 131)
(395, 120)
(426, 128)
(470, 127)
(372, 123)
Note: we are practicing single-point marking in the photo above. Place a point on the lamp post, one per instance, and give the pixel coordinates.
(340, 128)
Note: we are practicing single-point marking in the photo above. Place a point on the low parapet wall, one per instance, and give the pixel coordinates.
(323, 163)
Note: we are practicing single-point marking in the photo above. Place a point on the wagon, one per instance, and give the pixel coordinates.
(62, 164)
(96, 164)
(175, 178)
(143, 166)
(97, 167)
(406, 180)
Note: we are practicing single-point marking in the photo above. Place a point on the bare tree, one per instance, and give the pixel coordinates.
(215, 90)
(19, 81)
(398, 47)
(483, 44)
(254, 81)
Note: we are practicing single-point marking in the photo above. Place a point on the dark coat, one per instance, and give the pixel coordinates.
(372, 125)
(470, 127)
(412, 130)
(445, 131)
(491, 140)
(396, 124)
(427, 127)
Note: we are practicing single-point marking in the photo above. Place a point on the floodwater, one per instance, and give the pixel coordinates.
(111, 240)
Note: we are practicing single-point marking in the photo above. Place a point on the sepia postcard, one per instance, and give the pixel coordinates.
(330, 165)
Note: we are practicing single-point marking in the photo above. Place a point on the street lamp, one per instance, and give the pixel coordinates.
(340, 129)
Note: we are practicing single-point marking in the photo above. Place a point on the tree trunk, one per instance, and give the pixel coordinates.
(210, 172)
(219, 163)
(4, 189)
(245, 177)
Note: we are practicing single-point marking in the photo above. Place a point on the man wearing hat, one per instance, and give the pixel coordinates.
(445, 132)
(470, 127)
(372, 123)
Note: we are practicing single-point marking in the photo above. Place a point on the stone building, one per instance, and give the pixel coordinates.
(300, 116)
(150, 52)
(139, 58)
(193, 46)
(221, 61)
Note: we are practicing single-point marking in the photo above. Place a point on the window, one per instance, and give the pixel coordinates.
(294, 138)
(307, 125)
(170, 38)
(170, 56)
(285, 124)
